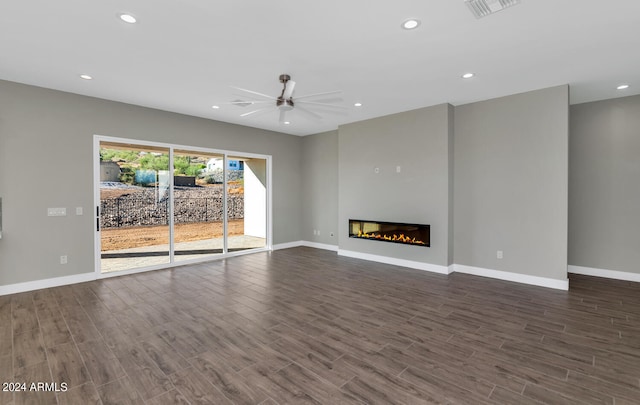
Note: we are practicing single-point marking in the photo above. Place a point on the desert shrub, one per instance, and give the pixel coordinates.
(180, 165)
(112, 155)
(183, 165)
(155, 162)
(127, 175)
(194, 170)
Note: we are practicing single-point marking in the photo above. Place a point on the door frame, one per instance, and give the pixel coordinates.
(97, 139)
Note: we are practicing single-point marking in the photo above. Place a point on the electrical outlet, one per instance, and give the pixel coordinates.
(499, 254)
(79, 211)
(318, 232)
(63, 259)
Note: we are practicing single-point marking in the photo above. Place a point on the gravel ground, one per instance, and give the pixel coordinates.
(138, 236)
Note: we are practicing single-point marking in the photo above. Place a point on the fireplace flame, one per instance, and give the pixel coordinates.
(391, 238)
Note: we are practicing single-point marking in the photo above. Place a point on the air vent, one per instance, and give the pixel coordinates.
(483, 8)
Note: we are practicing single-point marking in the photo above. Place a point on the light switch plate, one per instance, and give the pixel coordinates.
(57, 212)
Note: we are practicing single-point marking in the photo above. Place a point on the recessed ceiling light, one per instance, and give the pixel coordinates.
(358, 104)
(287, 123)
(128, 18)
(86, 77)
(468, 75)
(623, 87)
(411, 24)
(215, 107)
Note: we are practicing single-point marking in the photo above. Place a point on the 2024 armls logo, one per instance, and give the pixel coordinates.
(39, 386)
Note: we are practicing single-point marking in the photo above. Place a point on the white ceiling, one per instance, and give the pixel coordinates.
(184, 55)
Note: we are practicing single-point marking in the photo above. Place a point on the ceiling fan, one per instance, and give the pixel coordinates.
(286, 102)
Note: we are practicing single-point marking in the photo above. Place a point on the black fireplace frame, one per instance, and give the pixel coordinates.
(420, 231)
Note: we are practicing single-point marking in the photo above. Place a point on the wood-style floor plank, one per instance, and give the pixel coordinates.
(30, 376)
(80, 326)
(101, 363)
(67, 365)
(226, 380)
(196, 389)
(121, 391)
(173, 397)
(28, 349)
(303, 325)
(85, 394)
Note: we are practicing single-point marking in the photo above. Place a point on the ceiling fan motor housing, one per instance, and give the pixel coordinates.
(284, 104)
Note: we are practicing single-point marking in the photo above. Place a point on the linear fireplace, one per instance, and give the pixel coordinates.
(394, 232)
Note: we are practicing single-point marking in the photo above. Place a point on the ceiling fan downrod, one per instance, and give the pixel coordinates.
(282, 102)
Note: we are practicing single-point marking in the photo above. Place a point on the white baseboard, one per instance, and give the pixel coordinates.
(333, 248)
(434, 268)
(84, 277)
(616, 275)
(518, 278)
(502, 275)
(46, 283)
(307, 243)
(288, 245)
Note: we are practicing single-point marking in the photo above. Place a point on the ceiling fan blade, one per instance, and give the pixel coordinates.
(281, 117)
(328, 100)
(253, 92)
(253, 112)
(322, 104)
(308, 113)
(288, 91)
(248, 102)
(319, 94)
(264, 111)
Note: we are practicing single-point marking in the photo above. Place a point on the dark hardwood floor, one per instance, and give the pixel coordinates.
(307, 326)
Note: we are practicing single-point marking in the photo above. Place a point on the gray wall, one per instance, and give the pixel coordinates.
(46, 147)
(451, 180)
(604, 185)
(504, 161)
(320, 188)
(510, 183)
(419, 142)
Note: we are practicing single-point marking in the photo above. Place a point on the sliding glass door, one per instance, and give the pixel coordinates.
(162, 204)
(198, 202)
(134, 206)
